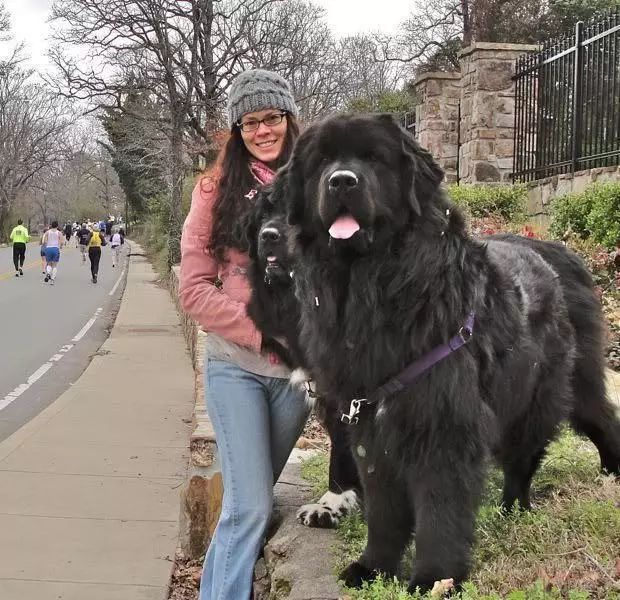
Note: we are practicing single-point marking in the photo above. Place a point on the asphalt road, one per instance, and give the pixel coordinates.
(48, 334)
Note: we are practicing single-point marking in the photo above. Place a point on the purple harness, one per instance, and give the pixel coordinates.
(412, 372)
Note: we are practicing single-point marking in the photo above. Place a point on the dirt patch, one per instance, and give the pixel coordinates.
(185, 580)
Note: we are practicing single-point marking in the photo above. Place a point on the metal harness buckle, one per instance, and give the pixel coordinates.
(354, 410)
(310, 390)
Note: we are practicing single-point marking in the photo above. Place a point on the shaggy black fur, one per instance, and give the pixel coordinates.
(272, 306)
(276, 312)
(404, 284)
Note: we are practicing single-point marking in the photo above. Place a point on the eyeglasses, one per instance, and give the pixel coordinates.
(254, 124)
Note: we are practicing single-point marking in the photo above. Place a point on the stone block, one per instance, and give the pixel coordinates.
(581, 182)
(494, 75)
(505, 105)
(504, 148)
(203, 451)
(486, 134)
(505, 163)
(447, 151)
(453, 92)
(449, 164)
(547, 193)
(485, 172)
(505, 133)
(201, 502)
(565, 185)
(482, 149)
(504, 120)
(483, 110)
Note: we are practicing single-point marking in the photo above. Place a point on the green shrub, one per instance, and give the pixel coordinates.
(507, 201)
(593, 213)
(603, 221)
(570, 213)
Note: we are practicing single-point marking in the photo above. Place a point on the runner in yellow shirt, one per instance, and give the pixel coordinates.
(19, 237)
(97, 239)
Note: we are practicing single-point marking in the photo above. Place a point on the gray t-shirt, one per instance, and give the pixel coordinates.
(218, 348)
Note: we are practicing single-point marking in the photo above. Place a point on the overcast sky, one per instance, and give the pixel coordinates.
(344, 17)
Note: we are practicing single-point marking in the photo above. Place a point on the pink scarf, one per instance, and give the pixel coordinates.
(262, 173)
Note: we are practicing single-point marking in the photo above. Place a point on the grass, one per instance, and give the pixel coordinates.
(568, 547)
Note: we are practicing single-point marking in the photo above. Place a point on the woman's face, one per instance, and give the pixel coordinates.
(266, 142)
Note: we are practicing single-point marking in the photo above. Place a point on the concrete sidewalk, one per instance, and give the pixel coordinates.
(89, 489)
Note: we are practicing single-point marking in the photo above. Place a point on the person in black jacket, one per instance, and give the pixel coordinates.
(83, 237)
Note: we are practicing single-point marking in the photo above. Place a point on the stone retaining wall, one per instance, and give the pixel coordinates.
(541, 192)
(201, 498)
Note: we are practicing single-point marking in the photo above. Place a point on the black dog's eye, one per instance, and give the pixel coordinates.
(371, 156)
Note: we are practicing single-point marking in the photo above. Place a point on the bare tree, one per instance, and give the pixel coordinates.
(33, 124)
(183, 51)
(434, 33)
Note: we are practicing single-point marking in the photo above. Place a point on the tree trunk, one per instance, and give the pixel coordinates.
(176, 193)
(4, 213)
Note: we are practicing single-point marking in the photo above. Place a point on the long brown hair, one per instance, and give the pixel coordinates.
(234, 181)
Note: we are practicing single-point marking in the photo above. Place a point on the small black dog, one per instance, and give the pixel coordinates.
(276, 312)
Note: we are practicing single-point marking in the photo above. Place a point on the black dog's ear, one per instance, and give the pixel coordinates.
(422, 174)
(249, 223)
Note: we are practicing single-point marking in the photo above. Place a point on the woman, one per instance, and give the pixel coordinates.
(53, 242)
(94, 251)
(257, 416)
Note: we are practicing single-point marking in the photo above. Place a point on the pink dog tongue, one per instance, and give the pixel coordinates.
(344, 227)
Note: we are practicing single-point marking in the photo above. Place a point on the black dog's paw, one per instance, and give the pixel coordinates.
(317, 515)
(355, 575)
(329, 510)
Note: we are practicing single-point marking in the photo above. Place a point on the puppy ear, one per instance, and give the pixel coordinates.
(248, 224)
(422, 174)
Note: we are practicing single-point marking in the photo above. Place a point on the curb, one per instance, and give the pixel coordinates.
(201, 497)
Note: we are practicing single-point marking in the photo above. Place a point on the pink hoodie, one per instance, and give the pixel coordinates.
(222, 311)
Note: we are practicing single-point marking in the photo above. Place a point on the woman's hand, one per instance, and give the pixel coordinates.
(274, 359)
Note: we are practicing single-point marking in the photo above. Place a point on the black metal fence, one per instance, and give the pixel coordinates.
(407, 120)
(567, 103)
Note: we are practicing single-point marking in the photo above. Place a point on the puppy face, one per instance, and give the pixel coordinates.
(268, 239)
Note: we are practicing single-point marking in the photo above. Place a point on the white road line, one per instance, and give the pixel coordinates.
(117, 282)
(43, 369)
(20, 389)
(82, 332)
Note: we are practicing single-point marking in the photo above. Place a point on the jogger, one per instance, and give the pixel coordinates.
(53, 241)
(19, 237)
(115, 244)
(94, 252)
(94, 255)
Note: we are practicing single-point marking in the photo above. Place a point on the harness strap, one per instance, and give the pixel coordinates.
(406, 377)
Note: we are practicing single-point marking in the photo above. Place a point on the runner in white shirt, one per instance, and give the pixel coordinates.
(53, 239)
(115, 244)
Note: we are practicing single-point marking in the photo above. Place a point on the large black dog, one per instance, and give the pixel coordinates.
(481, 334)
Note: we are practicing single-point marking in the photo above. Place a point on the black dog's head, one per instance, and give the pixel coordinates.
(266, 230)
(354, 180)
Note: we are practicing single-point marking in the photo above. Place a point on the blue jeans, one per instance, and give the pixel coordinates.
(257, 421)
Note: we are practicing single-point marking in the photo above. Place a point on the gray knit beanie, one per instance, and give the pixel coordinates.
(256, 90)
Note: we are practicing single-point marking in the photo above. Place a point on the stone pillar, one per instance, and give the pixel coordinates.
(437, 118)
(488, 111)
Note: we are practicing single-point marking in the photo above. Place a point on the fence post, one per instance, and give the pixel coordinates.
(577, 95)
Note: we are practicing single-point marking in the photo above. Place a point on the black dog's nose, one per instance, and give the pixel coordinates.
(343, 180)
(270, 234)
